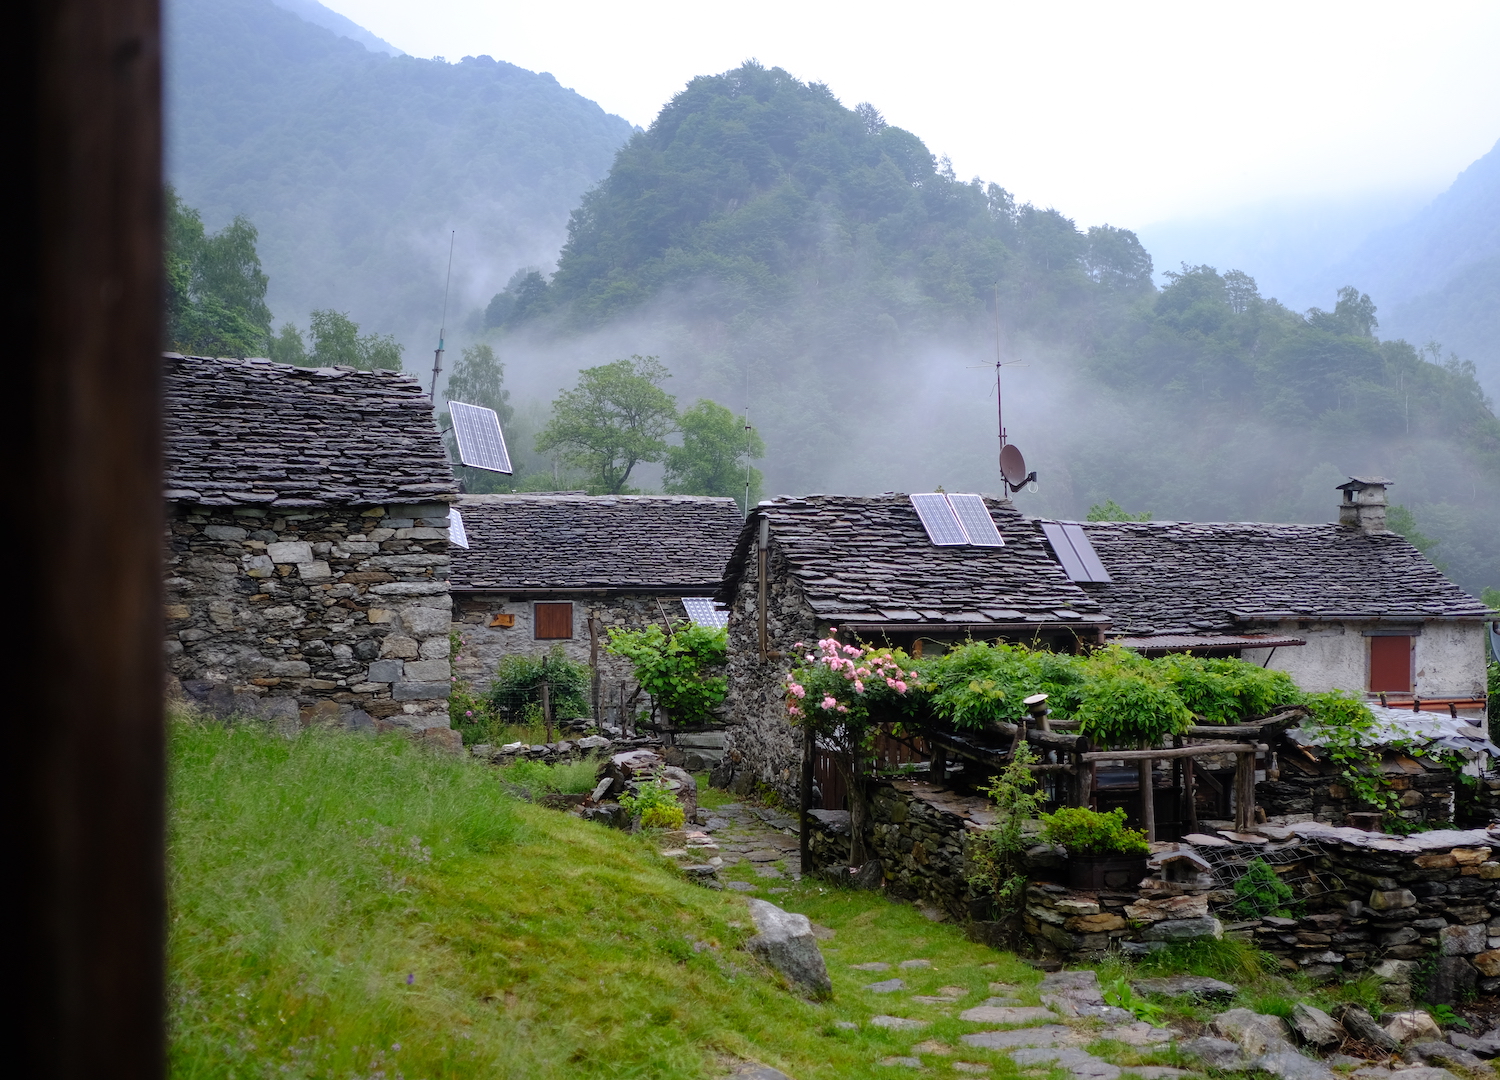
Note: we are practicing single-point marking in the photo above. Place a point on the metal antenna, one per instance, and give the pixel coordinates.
(999, 406)
(747, 439)
(437, 356)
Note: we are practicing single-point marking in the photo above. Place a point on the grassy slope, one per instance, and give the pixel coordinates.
(353, 907)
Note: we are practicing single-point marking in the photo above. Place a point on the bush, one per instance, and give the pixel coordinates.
(679, 670)
(1261, 892)
(996, 855)
(516, 694)
(534, 779)
(655, 806)
(1087, 832)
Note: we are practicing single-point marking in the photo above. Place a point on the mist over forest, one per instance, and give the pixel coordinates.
(784, 252)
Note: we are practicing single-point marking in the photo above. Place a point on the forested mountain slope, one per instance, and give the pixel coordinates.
(762, 234)
(355, 165)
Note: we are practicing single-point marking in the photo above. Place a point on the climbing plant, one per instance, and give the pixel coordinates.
(995, 856)
(680, 669)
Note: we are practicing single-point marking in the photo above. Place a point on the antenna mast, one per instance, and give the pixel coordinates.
(747, 439)
(437, 356)
(999, 406)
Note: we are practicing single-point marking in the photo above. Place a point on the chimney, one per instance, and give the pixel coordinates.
(1363, 506)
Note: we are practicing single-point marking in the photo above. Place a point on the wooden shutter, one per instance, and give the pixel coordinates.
(1390, 665)
(554, 621)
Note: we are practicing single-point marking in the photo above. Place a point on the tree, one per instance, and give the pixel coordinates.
(1354, 314)
(479, 379)
(1402, 521)
(336, 340)
(1109, 510)
(615, 418)
(524, 296)
(715, 455)
(287, 346)
(216, 290)
(1116, 259)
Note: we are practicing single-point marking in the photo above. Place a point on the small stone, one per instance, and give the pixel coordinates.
(932, 1046)
(902, 1062)
(889, 986)
(1290, 1065)
(1421, 1072)
(1463, 940)
(990, 1014)
(908, 964)
(1184, 930)
(1094, 924)
(1047, 1035)
(873, 965)
(1390, 899)
(741, 886)
(1414, 1026)
(1362, 1026)
(846, 1025)
(1255, 1032)
(785, 941)
(1197, 987)
(1316, 1027)
(1215, 1053)
(1434, 1051)
(970, 1067)
(897, 1023)
(1155, 1072)
(753, 1070)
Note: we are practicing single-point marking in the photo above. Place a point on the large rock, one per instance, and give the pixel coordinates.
(1255, 1032)
(1453, 977)
(1486, 1045)
(1414, 1026)
(1197, 987)
(1184, 930)
(1169, 907)
(1215, 1053)
(1290, 1065)
(785, 941)
(1437, 1052)
(1362, 1026)
(1316, 1027)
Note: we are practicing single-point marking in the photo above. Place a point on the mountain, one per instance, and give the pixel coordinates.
(780, 250)
(355, 165)
(315, 13)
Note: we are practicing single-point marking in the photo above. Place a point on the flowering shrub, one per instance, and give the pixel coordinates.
(835, 688)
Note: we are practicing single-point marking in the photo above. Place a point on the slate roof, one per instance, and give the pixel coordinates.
(254, 433)
(1173, 577)
(651, 543)
(868, 560)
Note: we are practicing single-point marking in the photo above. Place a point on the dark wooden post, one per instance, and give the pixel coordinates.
(83, 764)
(804, 802)
(937, 770)
(594, 664)
(1190, 794)
(547, 707)
(1244, 791)
(1148, 798)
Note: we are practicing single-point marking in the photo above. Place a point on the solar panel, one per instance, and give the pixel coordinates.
(456, 534)
(480, 441)
(974, 516)
(1062, 547)
(1084, 548)
(942, 525)
(705, 612)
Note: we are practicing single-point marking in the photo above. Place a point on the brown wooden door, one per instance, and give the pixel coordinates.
(1390, 665)
(554, 621)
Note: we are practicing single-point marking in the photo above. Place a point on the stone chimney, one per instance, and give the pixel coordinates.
(1363, 506)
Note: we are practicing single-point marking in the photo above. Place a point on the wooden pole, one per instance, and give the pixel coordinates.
(1200, 750)
(547, 708)
(937, 771)
(1244, 791)
(1190, 794)
(594, 664)
(622, 708)
(1148, 799)
(804, 803)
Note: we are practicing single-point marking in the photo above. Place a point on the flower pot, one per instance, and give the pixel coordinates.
(1105, 873)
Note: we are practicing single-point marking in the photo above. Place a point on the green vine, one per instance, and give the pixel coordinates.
(995, 864)
(679, 670)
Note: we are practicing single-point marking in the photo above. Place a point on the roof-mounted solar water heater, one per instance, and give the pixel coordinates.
(942, 524)
(456, 533)
(975, 518)
(481, 444)
(1075, 551)
(705, 612)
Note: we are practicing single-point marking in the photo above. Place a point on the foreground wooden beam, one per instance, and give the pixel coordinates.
(1200, 750)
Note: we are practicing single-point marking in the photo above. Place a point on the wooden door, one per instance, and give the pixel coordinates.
(1390, 665)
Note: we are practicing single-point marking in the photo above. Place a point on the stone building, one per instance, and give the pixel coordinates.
(1348, 606)
(866, 566)
(307, 544)
(561, 569)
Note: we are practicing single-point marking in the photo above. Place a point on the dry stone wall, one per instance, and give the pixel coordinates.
(335, 617)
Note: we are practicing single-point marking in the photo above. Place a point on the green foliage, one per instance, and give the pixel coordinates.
(1226, 691)
(1226, 958)
(654, 806)
(1124, 704)
(1401, 520)
(994, 857)
(1348, 730)
(715, 455)
(1109, 510)
(216, 290)
(975, 683)
(470, 714)
(336, 340)
(1118, 993)
(1446, 1017)
(535, 780)
(1087, 832)
(287, 347)
(515, 693)
(680, 670)
(615, 418)
(1491, 597)
(479, 379)
(1261, 892)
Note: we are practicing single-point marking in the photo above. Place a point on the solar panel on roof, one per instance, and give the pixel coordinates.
(706, 612)
(1084, 548)
(975, 518)
(481, 444)
(456, 534)
(942, 525)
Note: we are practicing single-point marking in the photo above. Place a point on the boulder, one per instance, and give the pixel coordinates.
(1290, 1065)
(1453, 977)
(1315, 1027)
(1255, 1032)
(1197, 987)
(1437, 1052)
(1171, 907)
(1184, 930)
(1215, 1053)
(1486, 1045)
(869, 876)
(1463, 940)
(785, 941)
(1413, 1026)
(1362, 1026)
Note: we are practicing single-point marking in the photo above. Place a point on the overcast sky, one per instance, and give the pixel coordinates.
(1112, 112)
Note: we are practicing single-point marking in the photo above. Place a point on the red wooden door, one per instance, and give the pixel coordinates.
(1390, 665)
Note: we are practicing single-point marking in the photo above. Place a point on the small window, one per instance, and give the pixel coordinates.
(1390, 664)
(554, 621)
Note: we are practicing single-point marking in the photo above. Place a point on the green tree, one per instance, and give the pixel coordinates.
(336, 340)
(1109, 510)
(615, 418)
(1401, 520)
(287, 346)
(715, 455)
(479, 379)
(216, 290)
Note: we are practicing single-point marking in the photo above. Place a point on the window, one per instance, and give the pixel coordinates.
(1390, 664)
(554, 621)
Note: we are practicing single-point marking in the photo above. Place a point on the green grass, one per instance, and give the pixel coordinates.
(536, 779)
(343, 905)
(710, 797)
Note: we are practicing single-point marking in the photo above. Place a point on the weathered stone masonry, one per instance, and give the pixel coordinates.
(324, 616)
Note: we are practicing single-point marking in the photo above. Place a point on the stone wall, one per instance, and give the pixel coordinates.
(331, 617)
(1314, 790)
(762, 747)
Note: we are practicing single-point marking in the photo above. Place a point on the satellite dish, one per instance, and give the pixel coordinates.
(1013, 465)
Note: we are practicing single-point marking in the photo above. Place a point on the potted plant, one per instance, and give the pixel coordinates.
(1102, 852)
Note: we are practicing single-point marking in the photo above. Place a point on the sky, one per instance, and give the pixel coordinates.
(1122, 113)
